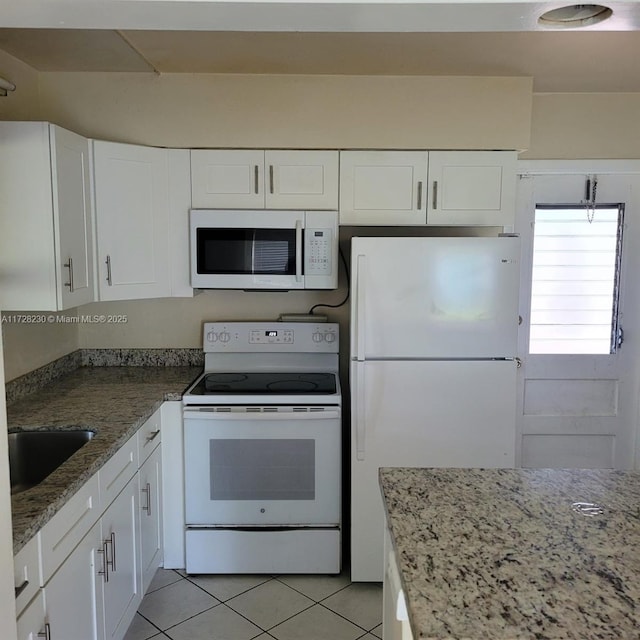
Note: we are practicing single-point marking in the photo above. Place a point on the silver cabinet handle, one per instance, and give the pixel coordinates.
(147, 490)
(256, 184)
(69, 265)
(108, 263)
(105, 562)
(419, 195)
(21, 588)
(435, 194)
(46, 634)
(112, 540)
(153, 435)
(270, 178)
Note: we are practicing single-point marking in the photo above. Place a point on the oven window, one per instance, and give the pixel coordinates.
(262, 469)
(246, 251)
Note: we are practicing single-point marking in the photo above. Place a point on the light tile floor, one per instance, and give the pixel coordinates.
(291, 607)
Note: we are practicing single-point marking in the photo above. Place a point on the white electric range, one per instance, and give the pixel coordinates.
(262, 448)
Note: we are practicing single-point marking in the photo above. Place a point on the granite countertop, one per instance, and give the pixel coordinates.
(497, 554)
(112, 401)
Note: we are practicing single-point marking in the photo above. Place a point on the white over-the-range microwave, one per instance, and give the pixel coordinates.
(263, 249)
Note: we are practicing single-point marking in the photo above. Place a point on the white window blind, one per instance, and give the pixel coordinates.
(576, 266)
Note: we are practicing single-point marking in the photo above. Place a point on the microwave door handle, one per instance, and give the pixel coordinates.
(298, 250)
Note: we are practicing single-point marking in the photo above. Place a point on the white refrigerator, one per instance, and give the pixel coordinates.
(434, 326)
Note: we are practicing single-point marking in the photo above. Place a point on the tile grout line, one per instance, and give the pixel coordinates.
(262, 630)
(173, 626)
(151, 623)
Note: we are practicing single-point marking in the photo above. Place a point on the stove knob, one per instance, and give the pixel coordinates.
(224, 336)
(212, 337)
(317, 337)
(330, 337)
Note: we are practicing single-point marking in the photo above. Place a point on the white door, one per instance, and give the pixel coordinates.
(471, 187)
(301, 180)
(131, 195)
(227, 179)
(423, 414)
(434, 297)
(383, 187)
(73, 596)
(72, 214)
(577, 388)
(122, 591)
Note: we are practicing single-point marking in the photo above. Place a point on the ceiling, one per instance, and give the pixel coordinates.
(321, 37)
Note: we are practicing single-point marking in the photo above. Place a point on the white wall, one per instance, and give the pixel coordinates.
(585, 125)
(187, 110)
(292, 111)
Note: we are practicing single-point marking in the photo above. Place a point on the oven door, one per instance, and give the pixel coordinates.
(246, 249)
(262, 468)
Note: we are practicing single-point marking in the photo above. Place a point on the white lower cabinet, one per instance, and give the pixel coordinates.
(151, 516)
(91, 563)
(31, 622)
(73, 596)
(122, 589)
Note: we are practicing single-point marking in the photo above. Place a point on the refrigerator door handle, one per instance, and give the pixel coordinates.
(358, 382)
(360, 304)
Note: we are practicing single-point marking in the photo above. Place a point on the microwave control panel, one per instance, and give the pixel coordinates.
(318, 250)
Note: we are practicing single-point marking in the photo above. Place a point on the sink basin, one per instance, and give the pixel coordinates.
(33, 455)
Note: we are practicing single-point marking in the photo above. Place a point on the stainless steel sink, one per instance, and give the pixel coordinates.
(33, 455)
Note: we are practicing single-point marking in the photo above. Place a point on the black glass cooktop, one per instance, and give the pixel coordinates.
(264, 383)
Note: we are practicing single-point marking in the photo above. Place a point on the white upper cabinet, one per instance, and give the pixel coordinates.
(132, 196)
(46, 250)
(301, 180)
(223, 179)
(257, 179)
(383, 187)
(471, 188)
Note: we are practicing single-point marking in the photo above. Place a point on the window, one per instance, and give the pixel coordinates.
(575, 279)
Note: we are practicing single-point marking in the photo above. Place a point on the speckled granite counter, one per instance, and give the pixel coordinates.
(500, 554)
(112, 401)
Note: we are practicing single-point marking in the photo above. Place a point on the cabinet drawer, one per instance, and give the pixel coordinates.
(26, 573)
(64, 531)
(149, 436)
(118, 471)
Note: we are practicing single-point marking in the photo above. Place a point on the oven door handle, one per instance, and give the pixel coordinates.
(202, 413)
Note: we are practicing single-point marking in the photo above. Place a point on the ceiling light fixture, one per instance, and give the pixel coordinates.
(5, 86)
(575, 15)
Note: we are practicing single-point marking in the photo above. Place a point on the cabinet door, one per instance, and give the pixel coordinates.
(74, 594)
(131, 195)
(383, 187)
(472, 187)
(122, 591)
(173, 485)
(46, 221)
(72, 217)
(151, 516)
(301, 179)
(227, 179)
(31, 622)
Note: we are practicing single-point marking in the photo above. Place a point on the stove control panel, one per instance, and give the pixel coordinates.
(271, 336)
(284, 337)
